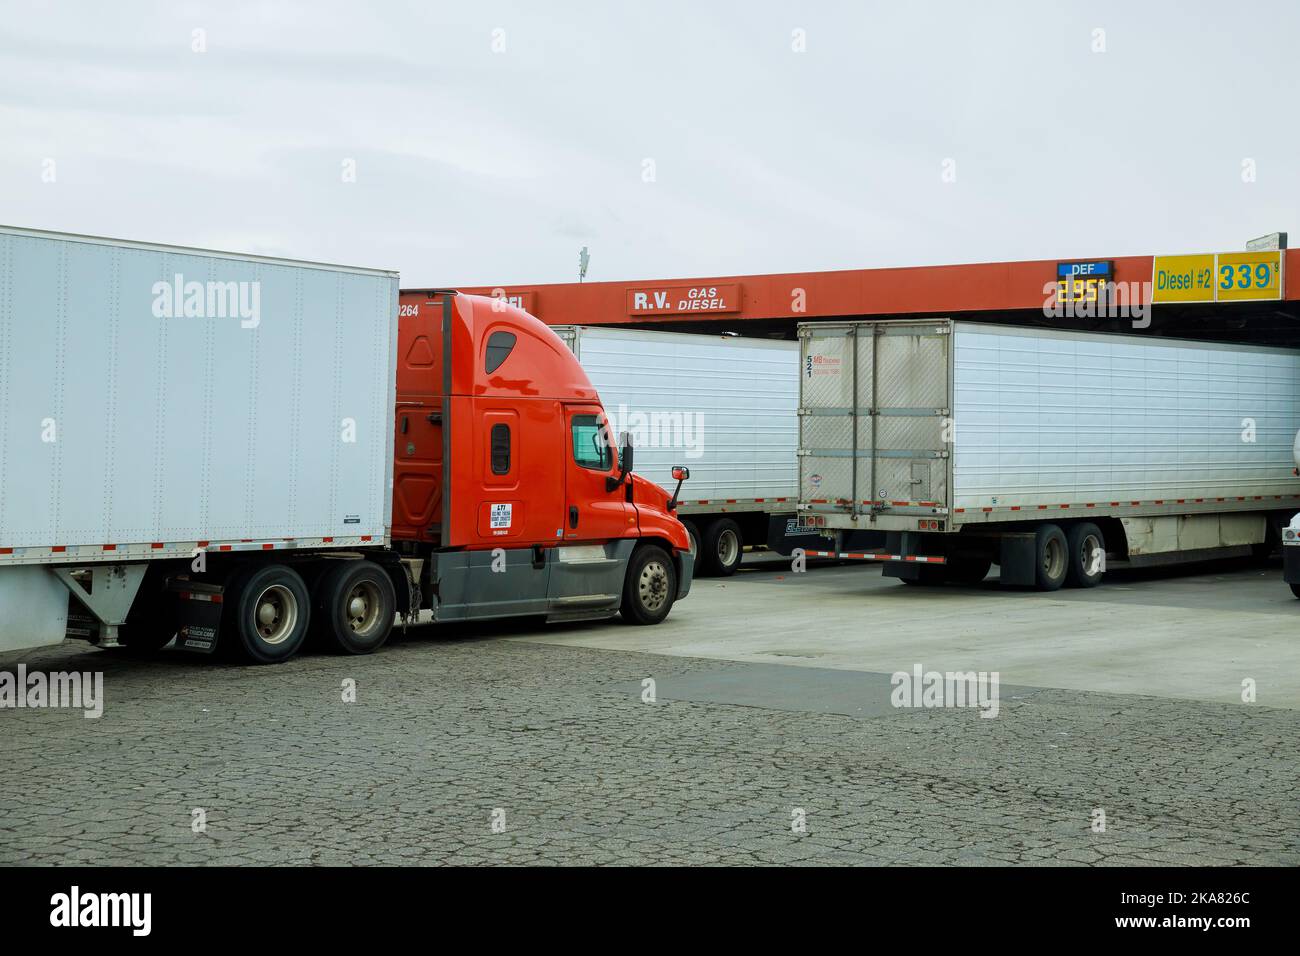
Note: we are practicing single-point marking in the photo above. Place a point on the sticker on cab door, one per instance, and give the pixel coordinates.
(500, 516)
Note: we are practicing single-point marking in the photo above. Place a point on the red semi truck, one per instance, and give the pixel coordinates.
(234, 451)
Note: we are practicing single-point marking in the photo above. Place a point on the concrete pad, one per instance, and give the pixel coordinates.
(1193, 636)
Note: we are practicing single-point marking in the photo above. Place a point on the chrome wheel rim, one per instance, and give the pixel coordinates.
(275, 614)
(728, 548)
(361, 607)
(1054, 559)
(652, 588)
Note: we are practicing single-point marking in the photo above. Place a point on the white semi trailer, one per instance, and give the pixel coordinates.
(722, 405)
(162, 408)
(1054, 454)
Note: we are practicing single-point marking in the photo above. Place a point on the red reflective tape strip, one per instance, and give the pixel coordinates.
(223, 547)
(959, 511)
(1015, 507)
(156, 545)
(986, 509)
(759, 500)
(731, 501)
(59, 548)
(203, 544)
(6, 550)
(365, 537)
(780, 499)
(110, 547)
(327, 540)
(268, 547)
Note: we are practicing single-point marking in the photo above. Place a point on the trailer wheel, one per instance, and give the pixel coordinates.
(650, 587)
(266, 613)
(1053, 557)
(969, 568)
(1085, 542)
(354, 607)
(723, 546)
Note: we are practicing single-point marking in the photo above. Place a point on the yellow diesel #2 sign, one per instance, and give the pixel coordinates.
(1217, 277)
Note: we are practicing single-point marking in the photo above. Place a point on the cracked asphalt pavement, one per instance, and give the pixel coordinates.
(520, 744)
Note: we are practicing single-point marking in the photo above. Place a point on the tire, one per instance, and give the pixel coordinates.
(1084, 539)
(265, 614)
(928, 576)
(723, 546)
(1052, 557)
(354, 607)
(969, 569)
(693, 533)
(650, 587)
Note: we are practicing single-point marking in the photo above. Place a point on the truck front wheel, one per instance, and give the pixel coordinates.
(650, 586)
(266, 612)
(355, 605)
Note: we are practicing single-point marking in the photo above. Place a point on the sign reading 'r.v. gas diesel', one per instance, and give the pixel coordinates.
(665, 300)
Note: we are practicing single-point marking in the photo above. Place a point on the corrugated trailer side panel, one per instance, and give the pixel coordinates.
(724, 407)
(124, 427)
(1047, 417)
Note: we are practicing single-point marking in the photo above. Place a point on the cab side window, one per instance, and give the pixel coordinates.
(499, 345)
(591, 448)
(500, 449)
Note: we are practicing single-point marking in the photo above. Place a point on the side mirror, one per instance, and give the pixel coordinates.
(624, 464)
(681, 473)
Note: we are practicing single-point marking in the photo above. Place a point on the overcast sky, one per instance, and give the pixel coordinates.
(492, 140)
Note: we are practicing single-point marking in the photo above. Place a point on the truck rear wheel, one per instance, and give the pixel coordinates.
(1086, 543)
(650, 587)
(354, 607)
(265, 614)
(1053, 557)
(723, 546)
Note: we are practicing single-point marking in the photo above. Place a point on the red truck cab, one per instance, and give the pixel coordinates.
(510, 497)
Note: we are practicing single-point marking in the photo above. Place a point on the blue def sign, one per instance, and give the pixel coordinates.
(1103, 269)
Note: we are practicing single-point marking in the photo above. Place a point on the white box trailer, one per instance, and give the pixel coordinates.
(162, 404)
(725, 407)
(1050, 452)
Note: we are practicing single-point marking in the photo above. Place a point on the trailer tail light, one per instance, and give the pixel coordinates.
(929, 524)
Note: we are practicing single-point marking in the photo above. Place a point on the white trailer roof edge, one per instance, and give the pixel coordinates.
(997, 328)
(191, 250)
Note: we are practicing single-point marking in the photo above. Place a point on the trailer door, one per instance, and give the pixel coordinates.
(907, 421)
(874, 406)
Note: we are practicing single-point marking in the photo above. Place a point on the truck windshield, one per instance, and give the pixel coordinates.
(590, 445)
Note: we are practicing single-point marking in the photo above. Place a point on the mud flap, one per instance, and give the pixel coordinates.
(1291, 563)
(1018, 560)
(199, 612)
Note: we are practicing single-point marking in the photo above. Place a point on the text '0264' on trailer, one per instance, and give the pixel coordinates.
(949, 446)
(239, 452)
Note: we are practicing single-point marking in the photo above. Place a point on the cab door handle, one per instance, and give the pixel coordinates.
(573, 516)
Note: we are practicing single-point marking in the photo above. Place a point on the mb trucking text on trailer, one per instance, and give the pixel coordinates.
(1054, 454)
